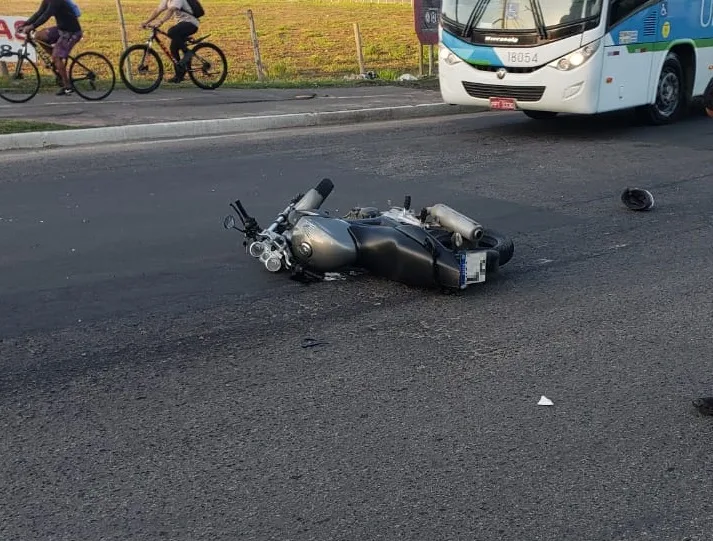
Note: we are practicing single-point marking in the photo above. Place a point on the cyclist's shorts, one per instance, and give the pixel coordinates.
(63, 41)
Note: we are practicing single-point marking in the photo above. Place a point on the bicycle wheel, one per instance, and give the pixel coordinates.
(149, 69)
(22, 80)
(92, 76)
(207, 62)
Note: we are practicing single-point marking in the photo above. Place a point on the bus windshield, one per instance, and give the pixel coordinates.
(518, 14)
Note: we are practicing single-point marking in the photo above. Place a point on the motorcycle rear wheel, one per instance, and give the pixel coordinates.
(498, 242)
(500, 247)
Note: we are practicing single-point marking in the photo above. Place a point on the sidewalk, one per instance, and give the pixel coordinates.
(199, 112)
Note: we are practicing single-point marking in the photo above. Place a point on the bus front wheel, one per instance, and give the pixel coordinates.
(540, 115)
(670, 99)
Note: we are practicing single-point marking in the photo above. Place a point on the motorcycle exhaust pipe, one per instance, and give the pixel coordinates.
(314, 197)
(456, 222)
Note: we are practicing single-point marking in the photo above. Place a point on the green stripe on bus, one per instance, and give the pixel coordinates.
(664, 45)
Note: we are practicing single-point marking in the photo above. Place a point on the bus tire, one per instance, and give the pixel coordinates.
(670, 101)
(540, 115)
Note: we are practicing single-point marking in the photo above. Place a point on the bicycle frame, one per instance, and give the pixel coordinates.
(155, 36)
(47, 59)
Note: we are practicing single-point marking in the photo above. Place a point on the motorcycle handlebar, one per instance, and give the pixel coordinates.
(325, 188)
(312, 200)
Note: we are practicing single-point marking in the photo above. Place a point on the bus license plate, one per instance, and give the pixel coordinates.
(503, 104)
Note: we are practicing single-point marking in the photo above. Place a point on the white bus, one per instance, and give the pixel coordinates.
(545, 57)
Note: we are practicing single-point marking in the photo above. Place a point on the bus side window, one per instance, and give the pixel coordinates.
(620, 9)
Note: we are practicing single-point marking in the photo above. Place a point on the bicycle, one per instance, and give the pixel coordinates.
(18, 79)
(191, 57)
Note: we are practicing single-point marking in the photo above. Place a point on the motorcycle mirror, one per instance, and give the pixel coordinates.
(229, 222)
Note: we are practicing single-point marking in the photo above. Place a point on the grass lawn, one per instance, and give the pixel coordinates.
(299, 39)
(20, 126)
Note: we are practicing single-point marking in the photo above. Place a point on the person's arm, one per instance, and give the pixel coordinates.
(51, 10)
(170, 10)
(156, 12)
(32, 21)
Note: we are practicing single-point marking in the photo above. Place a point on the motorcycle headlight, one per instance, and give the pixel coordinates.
(577, 58)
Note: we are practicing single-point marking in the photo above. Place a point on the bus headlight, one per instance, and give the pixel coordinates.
(577, 58)
(448, 56)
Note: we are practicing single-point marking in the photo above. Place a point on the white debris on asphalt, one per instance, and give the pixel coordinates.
(544, 401)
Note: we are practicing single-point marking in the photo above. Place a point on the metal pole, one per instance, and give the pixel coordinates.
(124, 41)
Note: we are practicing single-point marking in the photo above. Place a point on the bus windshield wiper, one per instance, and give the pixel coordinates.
(475, 16)
(539, 18)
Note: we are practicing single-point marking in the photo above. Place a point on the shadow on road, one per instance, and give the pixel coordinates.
(602, 127)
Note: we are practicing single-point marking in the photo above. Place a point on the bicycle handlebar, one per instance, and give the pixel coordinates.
(30, 38)
(155, 30)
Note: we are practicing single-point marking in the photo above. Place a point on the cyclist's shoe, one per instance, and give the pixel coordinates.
(180, 75)
(65, 92)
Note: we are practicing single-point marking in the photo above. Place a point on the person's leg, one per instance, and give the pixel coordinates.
(62, 48)
(179, 34)
(46, 38)
(189, 31)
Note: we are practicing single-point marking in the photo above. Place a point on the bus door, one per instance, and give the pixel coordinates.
(628, 54)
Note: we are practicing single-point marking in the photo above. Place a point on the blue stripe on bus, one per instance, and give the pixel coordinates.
(473, 54)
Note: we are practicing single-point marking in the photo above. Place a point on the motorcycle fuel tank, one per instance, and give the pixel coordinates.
(323, 243)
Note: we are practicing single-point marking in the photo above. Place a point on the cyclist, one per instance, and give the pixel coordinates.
(64, 36)
(186, 26)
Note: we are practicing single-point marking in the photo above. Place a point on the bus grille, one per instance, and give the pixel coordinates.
(509, 69)
(520, 93)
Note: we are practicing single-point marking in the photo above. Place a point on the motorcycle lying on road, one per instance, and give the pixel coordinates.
(438, 248)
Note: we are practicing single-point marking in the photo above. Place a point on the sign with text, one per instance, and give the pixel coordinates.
(11, 39)
(426, 14)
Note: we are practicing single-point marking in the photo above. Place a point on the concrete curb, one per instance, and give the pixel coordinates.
(224, 126)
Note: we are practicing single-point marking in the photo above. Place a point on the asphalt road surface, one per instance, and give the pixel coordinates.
(153, 383)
